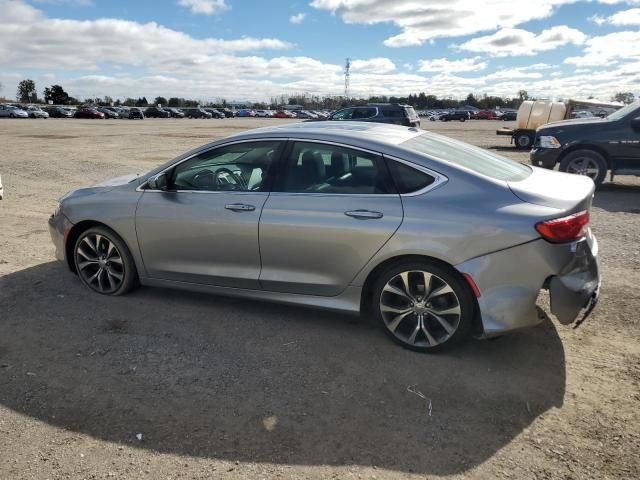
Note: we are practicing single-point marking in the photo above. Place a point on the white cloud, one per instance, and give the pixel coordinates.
(452, 66)
(622, 18)
(206, 7)
(608, 49)
(420, 21)
(298, 18)
(373, 65)
(514, 41)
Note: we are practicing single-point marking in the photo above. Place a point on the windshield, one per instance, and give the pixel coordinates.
(617, 115)
(468, 156)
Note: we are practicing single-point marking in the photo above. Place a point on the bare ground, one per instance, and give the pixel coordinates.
(223, 388)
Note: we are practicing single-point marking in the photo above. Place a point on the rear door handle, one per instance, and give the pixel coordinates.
(363, 214)
(239, 207)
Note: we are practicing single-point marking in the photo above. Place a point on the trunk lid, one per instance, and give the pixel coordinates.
(564, 191)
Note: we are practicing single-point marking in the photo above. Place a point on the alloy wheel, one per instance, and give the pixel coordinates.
(420, 309)
(584, 166)
(100, 263)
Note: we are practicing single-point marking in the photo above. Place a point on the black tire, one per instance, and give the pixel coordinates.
(592, 158)
(126, 268)
(462, 297)
(523, 140)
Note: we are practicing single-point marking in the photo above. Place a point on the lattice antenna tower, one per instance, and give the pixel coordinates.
(347, 74)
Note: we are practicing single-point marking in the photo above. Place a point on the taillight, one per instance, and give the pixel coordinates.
(565, 229)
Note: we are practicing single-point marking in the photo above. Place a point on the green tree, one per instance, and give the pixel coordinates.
(27, 91)
(624, 97)
(56, 95)
(523, 95)
(160, 101)
(176, 102)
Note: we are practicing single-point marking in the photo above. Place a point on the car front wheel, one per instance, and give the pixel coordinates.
(423, 306)
(585, 162)
(104, 263)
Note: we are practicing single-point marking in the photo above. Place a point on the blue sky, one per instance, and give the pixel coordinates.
(257, 49)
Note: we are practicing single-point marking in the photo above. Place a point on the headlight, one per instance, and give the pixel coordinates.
(547, 141)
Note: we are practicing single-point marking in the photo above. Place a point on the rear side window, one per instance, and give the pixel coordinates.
(408, 179)
(364, 112)
(332, 169)
(411, 113)
(468, 156)
(391, 112)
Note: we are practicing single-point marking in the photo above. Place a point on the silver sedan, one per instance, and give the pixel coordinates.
(436, 239)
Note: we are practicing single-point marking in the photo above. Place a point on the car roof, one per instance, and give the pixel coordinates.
(350, 132)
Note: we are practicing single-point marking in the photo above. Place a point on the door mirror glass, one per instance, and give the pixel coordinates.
(158, 182)
(635, 124)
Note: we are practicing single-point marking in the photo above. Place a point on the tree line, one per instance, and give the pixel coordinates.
(55, 94)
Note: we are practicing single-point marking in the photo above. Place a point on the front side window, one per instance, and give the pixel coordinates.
(239, 167)
(345, 114)
(321, 168)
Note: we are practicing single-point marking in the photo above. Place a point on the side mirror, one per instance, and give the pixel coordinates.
(158, 182)
(635, 124)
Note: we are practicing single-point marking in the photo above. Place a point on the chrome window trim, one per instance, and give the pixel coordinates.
(199, 152)
(440, 179)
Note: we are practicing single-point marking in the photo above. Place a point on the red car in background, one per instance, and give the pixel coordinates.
(281, 114)
(484, 115)
(88, 112)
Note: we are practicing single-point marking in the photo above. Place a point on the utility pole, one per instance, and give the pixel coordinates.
(347, 73)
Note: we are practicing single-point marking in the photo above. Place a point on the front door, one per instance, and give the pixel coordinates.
(204, 228)
(330, 211)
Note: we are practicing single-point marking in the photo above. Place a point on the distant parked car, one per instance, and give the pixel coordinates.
(108, 112)
(135, 112)
(88, 112)
(393, 113)
(263, 113)
(197, 113)
(12, 111)
(156, 112)
(227, 112)
(247, 112)
(281, 114)
(214, 113)
(461, 115)
(34, 111)
(175, 112)
(484, 115)
(58, 112)
(508, 116)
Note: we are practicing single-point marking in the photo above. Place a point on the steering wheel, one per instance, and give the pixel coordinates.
(225, 171)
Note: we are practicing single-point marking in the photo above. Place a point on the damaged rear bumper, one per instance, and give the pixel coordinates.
(511, 280)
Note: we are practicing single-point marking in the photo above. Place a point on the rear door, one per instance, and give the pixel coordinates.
(331, 209)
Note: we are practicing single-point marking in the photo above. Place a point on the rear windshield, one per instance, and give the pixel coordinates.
(468, 156)
(411, 113)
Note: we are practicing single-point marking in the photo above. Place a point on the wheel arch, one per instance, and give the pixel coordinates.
(367, 288)
(587, 146)
(75, 232)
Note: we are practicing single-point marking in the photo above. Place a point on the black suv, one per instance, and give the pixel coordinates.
(156, 112)
(461, 115)
(592, 146)
(379, 112)
(175, 112)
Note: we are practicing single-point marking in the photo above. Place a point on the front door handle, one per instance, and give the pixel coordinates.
(239, 207)
(363, 214)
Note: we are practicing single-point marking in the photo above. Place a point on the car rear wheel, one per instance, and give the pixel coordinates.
(585, 162)
(104, 263)
(423, 306)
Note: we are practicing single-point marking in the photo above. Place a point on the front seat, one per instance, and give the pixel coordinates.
(339, 165)
(311, 171)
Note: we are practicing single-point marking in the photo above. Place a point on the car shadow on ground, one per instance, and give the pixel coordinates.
(250, 381)
(618, 197)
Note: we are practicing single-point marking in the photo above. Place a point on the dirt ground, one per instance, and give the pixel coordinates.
(162, 384)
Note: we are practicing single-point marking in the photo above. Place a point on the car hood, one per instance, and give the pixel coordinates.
(575, 122)
(563, 191)
(101, 187)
